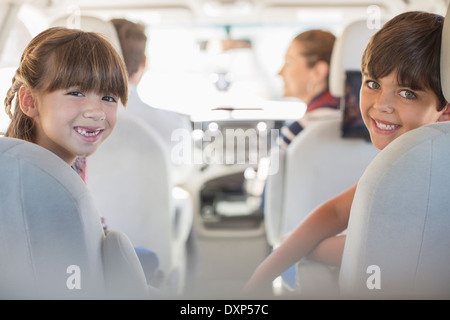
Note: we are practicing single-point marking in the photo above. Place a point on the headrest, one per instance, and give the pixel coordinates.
(393, 206)
(17, 40)
(91, 24)
(445, 57)
(48, 224)
(347, 53)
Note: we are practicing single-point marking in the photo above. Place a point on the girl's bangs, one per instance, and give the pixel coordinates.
(99, 69)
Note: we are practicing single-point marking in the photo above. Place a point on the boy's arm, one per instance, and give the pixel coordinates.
(326, 221)
(329, 251)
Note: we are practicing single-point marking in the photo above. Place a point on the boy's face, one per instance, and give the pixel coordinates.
(390, 109)
(71, 123)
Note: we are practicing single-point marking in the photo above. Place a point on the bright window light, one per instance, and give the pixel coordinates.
(310, 16)
(187, 74)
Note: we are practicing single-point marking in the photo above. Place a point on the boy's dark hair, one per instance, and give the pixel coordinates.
(409, 44)
(133, 41)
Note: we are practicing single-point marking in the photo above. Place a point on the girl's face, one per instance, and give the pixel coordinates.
(71, 123)
(390, 109)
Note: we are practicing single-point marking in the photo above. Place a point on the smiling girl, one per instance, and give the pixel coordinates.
(67, 89)
(401, 91)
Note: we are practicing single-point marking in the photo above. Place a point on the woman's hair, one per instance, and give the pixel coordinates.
(133, 42)
(318, 45)
(409, 44)
(61, 58)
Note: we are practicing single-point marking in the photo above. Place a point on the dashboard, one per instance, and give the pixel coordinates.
(235, 153)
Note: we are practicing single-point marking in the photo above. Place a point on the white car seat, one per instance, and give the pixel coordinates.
(52, 242)
(398, 233)
(129, 178)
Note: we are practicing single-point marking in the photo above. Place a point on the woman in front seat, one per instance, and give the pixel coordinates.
(305, 76)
